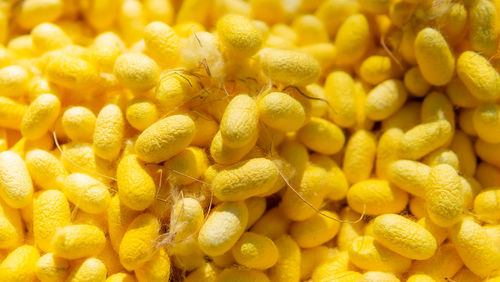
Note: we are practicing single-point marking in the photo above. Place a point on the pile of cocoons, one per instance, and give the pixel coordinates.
(249, 140)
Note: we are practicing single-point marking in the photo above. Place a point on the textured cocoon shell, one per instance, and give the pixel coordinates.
(16, 188)
(78, 241)
(479, 76)
(238, 35)
(136, 187)
(239, 124)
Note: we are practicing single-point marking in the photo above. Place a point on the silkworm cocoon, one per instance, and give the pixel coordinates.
(79, 123)
(239, 123)
(48, 36)
(377, 276)
(16, 188)
(87, 193)
(191, 257)
(322, 136)
(11, 227)
(465, 121)
(215, 239)
(446, 257)
(444, 196)
(90, 269)
(50, 268)
(465, 275)
(315, 230)
(72, 72)
(309, 30)
(243, 275)
(344, 276)
(165, 138)
(479, 76)
(121, 277)
(415, 82)
(376, 69)
(311, 186)
(109, 132)
(136, 71)
(288, 266)
(385, 151)
(272, 224)
(119, 217)
(45, 169)
(436, 106)
(20, 264)
(411, 176)
(131, 21)
(375, 196)
(206, 129)
(456, 14)
(162, 43)
(476, 248)
(339, 91)
(488, 152)
(352, 39)
(281, 111)
(459, 95)
(434, 57)
(187, 166)
(138, 243)
(207, 272)
(173, 90)
(337, 185)
(349, 230)
(245, 179)
(238, 35)
(77, 241)
(155, 270)
(40, 116)
(256, 208)
(359, 156)
(32, 13)
(442, 156)
(105, 49)
(486, 204)
(289, 67)
(486, 120)
(368, 254)
(50, 211)
(136, 186)
(311, 258)
(425, 138)
(11, 113)
(80, 157)
(255, 251)
(141, 113)
(404, 236)
(417, 207)
(488, 175)
(186, 219)
(405, 118)
(483, 25)
(14, 81)
(439, 233)
(225, 260)
(385, 99)
(420, 278)
(338, 264)
(223, 154)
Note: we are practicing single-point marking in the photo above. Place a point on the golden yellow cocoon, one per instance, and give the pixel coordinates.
(415, 82)
(404, 236)
(109, 132)
(385, 99)
(78, 241)
(352, 39)
(162, 43)
(165, 138)
(243, 275)
(11, 113)
(479, 251)
(376, 196)
(459, 95)
(479, 76)
(425, 138)
(79, 123)
(16, 188)
(157, 269)
(366, 253)
(359, 156)
(48, 36)
(245, 179)
(105, 49)
(90, 269)
(339, 91)
(87, 193)
(486, 204)
(322, 136)
(315, 230)
(255, 251)
(50, 211)
(50, 268)
(40, 116)
(136, 71)
(434, 57)
(239, 123)
(445, 263)
(14, 81)
(223, 154)
(45, 169)
(444, 196)
(119, 217)
(19, 265)
(11, 227)
(288, 266)
(138, 243)
(141, 113)
(281, 111)
(238, 35)
(289, 67)
(72, 72)
(187, 166)
(136, 187)
(486, 120)
(223, 228)
(483, 27)
(186, 219)
(411, 176)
